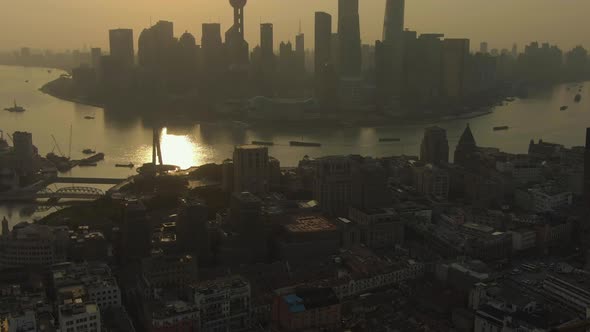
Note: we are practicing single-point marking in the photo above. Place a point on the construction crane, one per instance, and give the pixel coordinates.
(57, 146)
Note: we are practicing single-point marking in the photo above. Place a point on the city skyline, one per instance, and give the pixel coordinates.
(45, 28)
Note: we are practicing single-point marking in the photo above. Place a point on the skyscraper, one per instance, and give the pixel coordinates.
(323, 37)
(393, 26)
(212, 47)
(251, 169)
(349, 34)
(514, 50)
(238, 48)
(466, 150)
(121, 45)
(266, 39)
(483, 48)
(300, 51)
(587, 168)
(155, 46)
(95, 54)
(454, 61)
(435, 146)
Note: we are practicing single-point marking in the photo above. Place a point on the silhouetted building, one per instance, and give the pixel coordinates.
(251, 169)
(423, 68)
(323, 36)
(237, 47)
(454, 61)
(156, 46)
(483, 48)
(514, 51)
(466, 152)
(349, 34)
(121, 45)
(432, 180)
(191, 228)
(267, 46)
(212, 48)
(24, 151)
(393, 37)
(332, 186)
(383, 73)
(137, 237)
(95, 54)
(435, 146)
(300, 52)
(587, 167)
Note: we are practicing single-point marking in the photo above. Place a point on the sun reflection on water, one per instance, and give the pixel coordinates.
(180, 150)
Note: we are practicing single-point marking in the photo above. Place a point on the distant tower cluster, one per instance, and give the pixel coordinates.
(349, 35)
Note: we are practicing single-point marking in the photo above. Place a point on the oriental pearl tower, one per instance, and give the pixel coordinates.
(239, 15)
(237, 45)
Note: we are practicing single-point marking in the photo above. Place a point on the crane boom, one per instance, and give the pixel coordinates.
(57, 145)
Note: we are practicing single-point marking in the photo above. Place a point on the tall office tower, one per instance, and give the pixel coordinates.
(95, 54)
(514, 50)
(238, 48)
(435, 146)
(393, 26)
(483, 48)
(323, 37)
(587, 168)
(156, 46)
(121, 44)
(454, 61)
(251, 169)
(349, 35)
(267, 46)
(137, 231)
(300, 52)
(24, 151)
(332, 184)
(212, 47)
(5, 231)
(383, 73)
(191, 228)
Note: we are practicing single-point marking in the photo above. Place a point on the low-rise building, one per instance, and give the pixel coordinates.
(224, 304)
(33, 245)
(309, 236)
(379, 228)
(79, 317)
(303, 309)
(174, 316)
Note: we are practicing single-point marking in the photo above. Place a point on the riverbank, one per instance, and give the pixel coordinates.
(64, 89)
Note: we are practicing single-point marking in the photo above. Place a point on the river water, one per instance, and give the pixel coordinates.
(126, 138)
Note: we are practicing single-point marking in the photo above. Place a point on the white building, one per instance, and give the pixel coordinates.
(522, 171)
(547, 200)
(79, 317)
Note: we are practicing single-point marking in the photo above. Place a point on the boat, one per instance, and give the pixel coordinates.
(263, 143)
(311, 144)
(88, 151)
(130, 165)
(501, 128)
(26, 81)
(95, 158)
(15, 108)
(577, 98)
(389, 140)
(510, 99)
(86, 163)
(49, 71)
(88, 117)
(563, 108)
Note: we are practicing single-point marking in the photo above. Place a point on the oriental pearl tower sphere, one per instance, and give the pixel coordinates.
(239, 14)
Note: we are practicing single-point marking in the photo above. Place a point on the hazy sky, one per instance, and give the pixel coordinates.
(68, 24)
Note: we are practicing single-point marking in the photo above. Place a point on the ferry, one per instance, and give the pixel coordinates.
(563, 108)
(263, 143)
(310, 144)
(501, 128)
(88, 117)
(88, 151)
(577, 98)
(15, 108)
(389, 140)
(130, 165)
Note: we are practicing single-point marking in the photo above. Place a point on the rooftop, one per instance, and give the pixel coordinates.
(309, 224)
